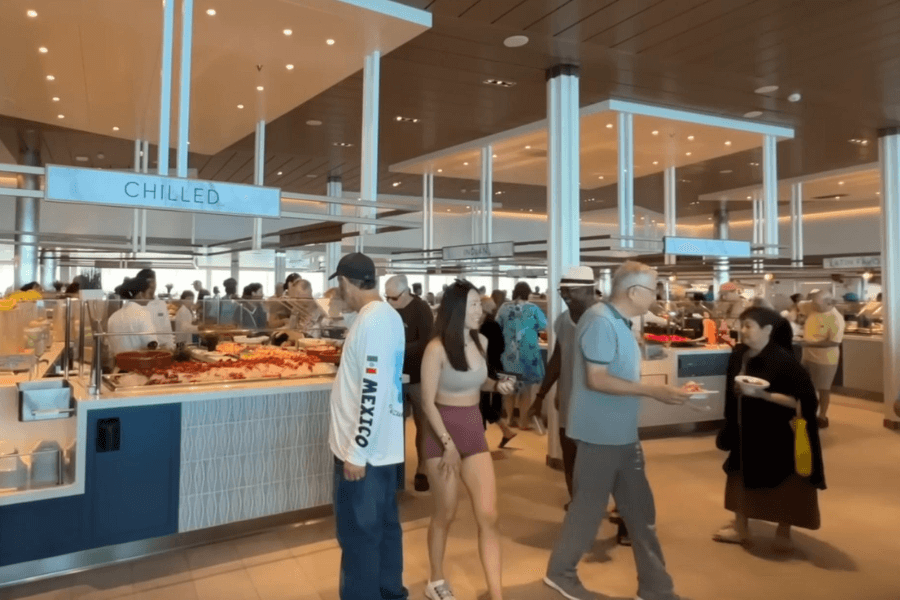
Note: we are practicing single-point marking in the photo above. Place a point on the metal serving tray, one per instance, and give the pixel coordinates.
(112, 382)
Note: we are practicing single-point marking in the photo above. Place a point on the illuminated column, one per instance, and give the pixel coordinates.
(626, 179)
(889, 155)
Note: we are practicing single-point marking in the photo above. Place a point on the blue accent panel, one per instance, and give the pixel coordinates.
(132, 492)
(41, 529)
(703, 364)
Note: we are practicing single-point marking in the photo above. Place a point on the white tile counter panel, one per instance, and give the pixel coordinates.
(252, 455)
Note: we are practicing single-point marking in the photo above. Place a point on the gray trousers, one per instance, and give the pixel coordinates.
(599, 471)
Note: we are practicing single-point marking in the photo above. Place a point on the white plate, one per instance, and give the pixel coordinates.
(751, 382)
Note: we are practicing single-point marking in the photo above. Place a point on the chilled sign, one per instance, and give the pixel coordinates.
(136, 190)
(495, 250)
(680, 246)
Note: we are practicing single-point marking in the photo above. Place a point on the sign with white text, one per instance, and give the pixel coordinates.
(852, 262)
(495, 250)
(139, 190)
(681, 246)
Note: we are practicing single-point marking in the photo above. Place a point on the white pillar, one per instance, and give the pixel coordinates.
(759, 233)
(333, 249)
(280, 268)
(669, 206)
(626, 179)
(797, 225)
(487, 192)
(259, 174)
(368, 191)
(145, 168)
(563, 202)
(136, 224)
(770, 194)
(165, 90)
(184, 85)
(889, 151)
(427, 222)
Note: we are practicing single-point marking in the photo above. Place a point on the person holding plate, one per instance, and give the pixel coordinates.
(763, 482)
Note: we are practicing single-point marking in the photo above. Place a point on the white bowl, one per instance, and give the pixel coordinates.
(750, 384)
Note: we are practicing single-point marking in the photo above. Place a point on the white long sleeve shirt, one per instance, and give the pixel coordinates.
(134, 319)
(366, 397)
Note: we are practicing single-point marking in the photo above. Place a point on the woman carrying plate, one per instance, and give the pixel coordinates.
(762, 481)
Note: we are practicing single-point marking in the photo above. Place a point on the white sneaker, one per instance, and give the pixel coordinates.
(439, 590)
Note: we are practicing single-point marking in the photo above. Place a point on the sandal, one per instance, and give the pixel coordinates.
(730, 535)
(506, 440)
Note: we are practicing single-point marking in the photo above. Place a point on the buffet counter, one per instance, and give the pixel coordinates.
(860, 353)
(706, 366)
(159, 463)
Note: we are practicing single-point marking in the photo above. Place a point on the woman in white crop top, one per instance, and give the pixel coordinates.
(454, 373)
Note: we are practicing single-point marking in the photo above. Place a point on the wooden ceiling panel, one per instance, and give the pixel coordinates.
(671, 20)
(527, 13)
(453, 8)
(493, 11)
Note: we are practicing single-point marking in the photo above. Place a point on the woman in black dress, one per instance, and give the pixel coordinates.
(491, 404)
(762, 481)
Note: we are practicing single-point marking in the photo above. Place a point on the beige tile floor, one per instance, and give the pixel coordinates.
(855, 556)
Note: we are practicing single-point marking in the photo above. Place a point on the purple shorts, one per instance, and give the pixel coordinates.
(466, 429)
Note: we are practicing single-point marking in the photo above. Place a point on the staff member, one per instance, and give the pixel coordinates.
(366, 438)
(158, 309)
(132, 319)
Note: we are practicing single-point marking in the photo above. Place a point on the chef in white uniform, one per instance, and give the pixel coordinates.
(132, 319)
(159, 310)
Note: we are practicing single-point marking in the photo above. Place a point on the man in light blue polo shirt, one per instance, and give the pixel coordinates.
(603, 419)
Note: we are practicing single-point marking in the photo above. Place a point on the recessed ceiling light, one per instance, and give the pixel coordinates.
(766, 89)
(753, 114)
(795, 97)
(528, 147)
(515, 41)
(753, 164)
(840, 183)
(403, 119)
(440, 170)
(81, 158)
(601, 177)
(289, 67)
(31, 13)
(467, 206)
(60, 116)
(311, 176)
(530, 210)
(654, 132)
(396, 183)
(56, 98)
(465, 164)
(448, 210)
(43, 50)
(101, 156)
(259, 88)
(343, 144)
(278, 173)
(287, 32)
(50, 77)
(726, 171)
(609, 125)
(749, 197)
(690, 138)
(115, 128)
(727, 142)
(330, 42)
(240, 106)
(494, 156)
(499, 83)
(877, 193)
(211, 12)
(314, 122)
(687, 153)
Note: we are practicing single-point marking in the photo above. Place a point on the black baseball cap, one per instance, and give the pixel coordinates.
(356, 266)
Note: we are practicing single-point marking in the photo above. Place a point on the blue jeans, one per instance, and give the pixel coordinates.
(368, 530)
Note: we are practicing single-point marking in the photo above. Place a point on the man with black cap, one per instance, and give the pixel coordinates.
(366, 438)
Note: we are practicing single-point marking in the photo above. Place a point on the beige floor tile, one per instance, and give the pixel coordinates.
(213, 559)
(179, 591)
(234, 585)
(261, 549)
(323, 570)
(282, 580)
(104, 583)
(160, 571)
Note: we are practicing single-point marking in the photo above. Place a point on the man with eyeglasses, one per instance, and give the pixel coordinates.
(603, 420)
(418, 322)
